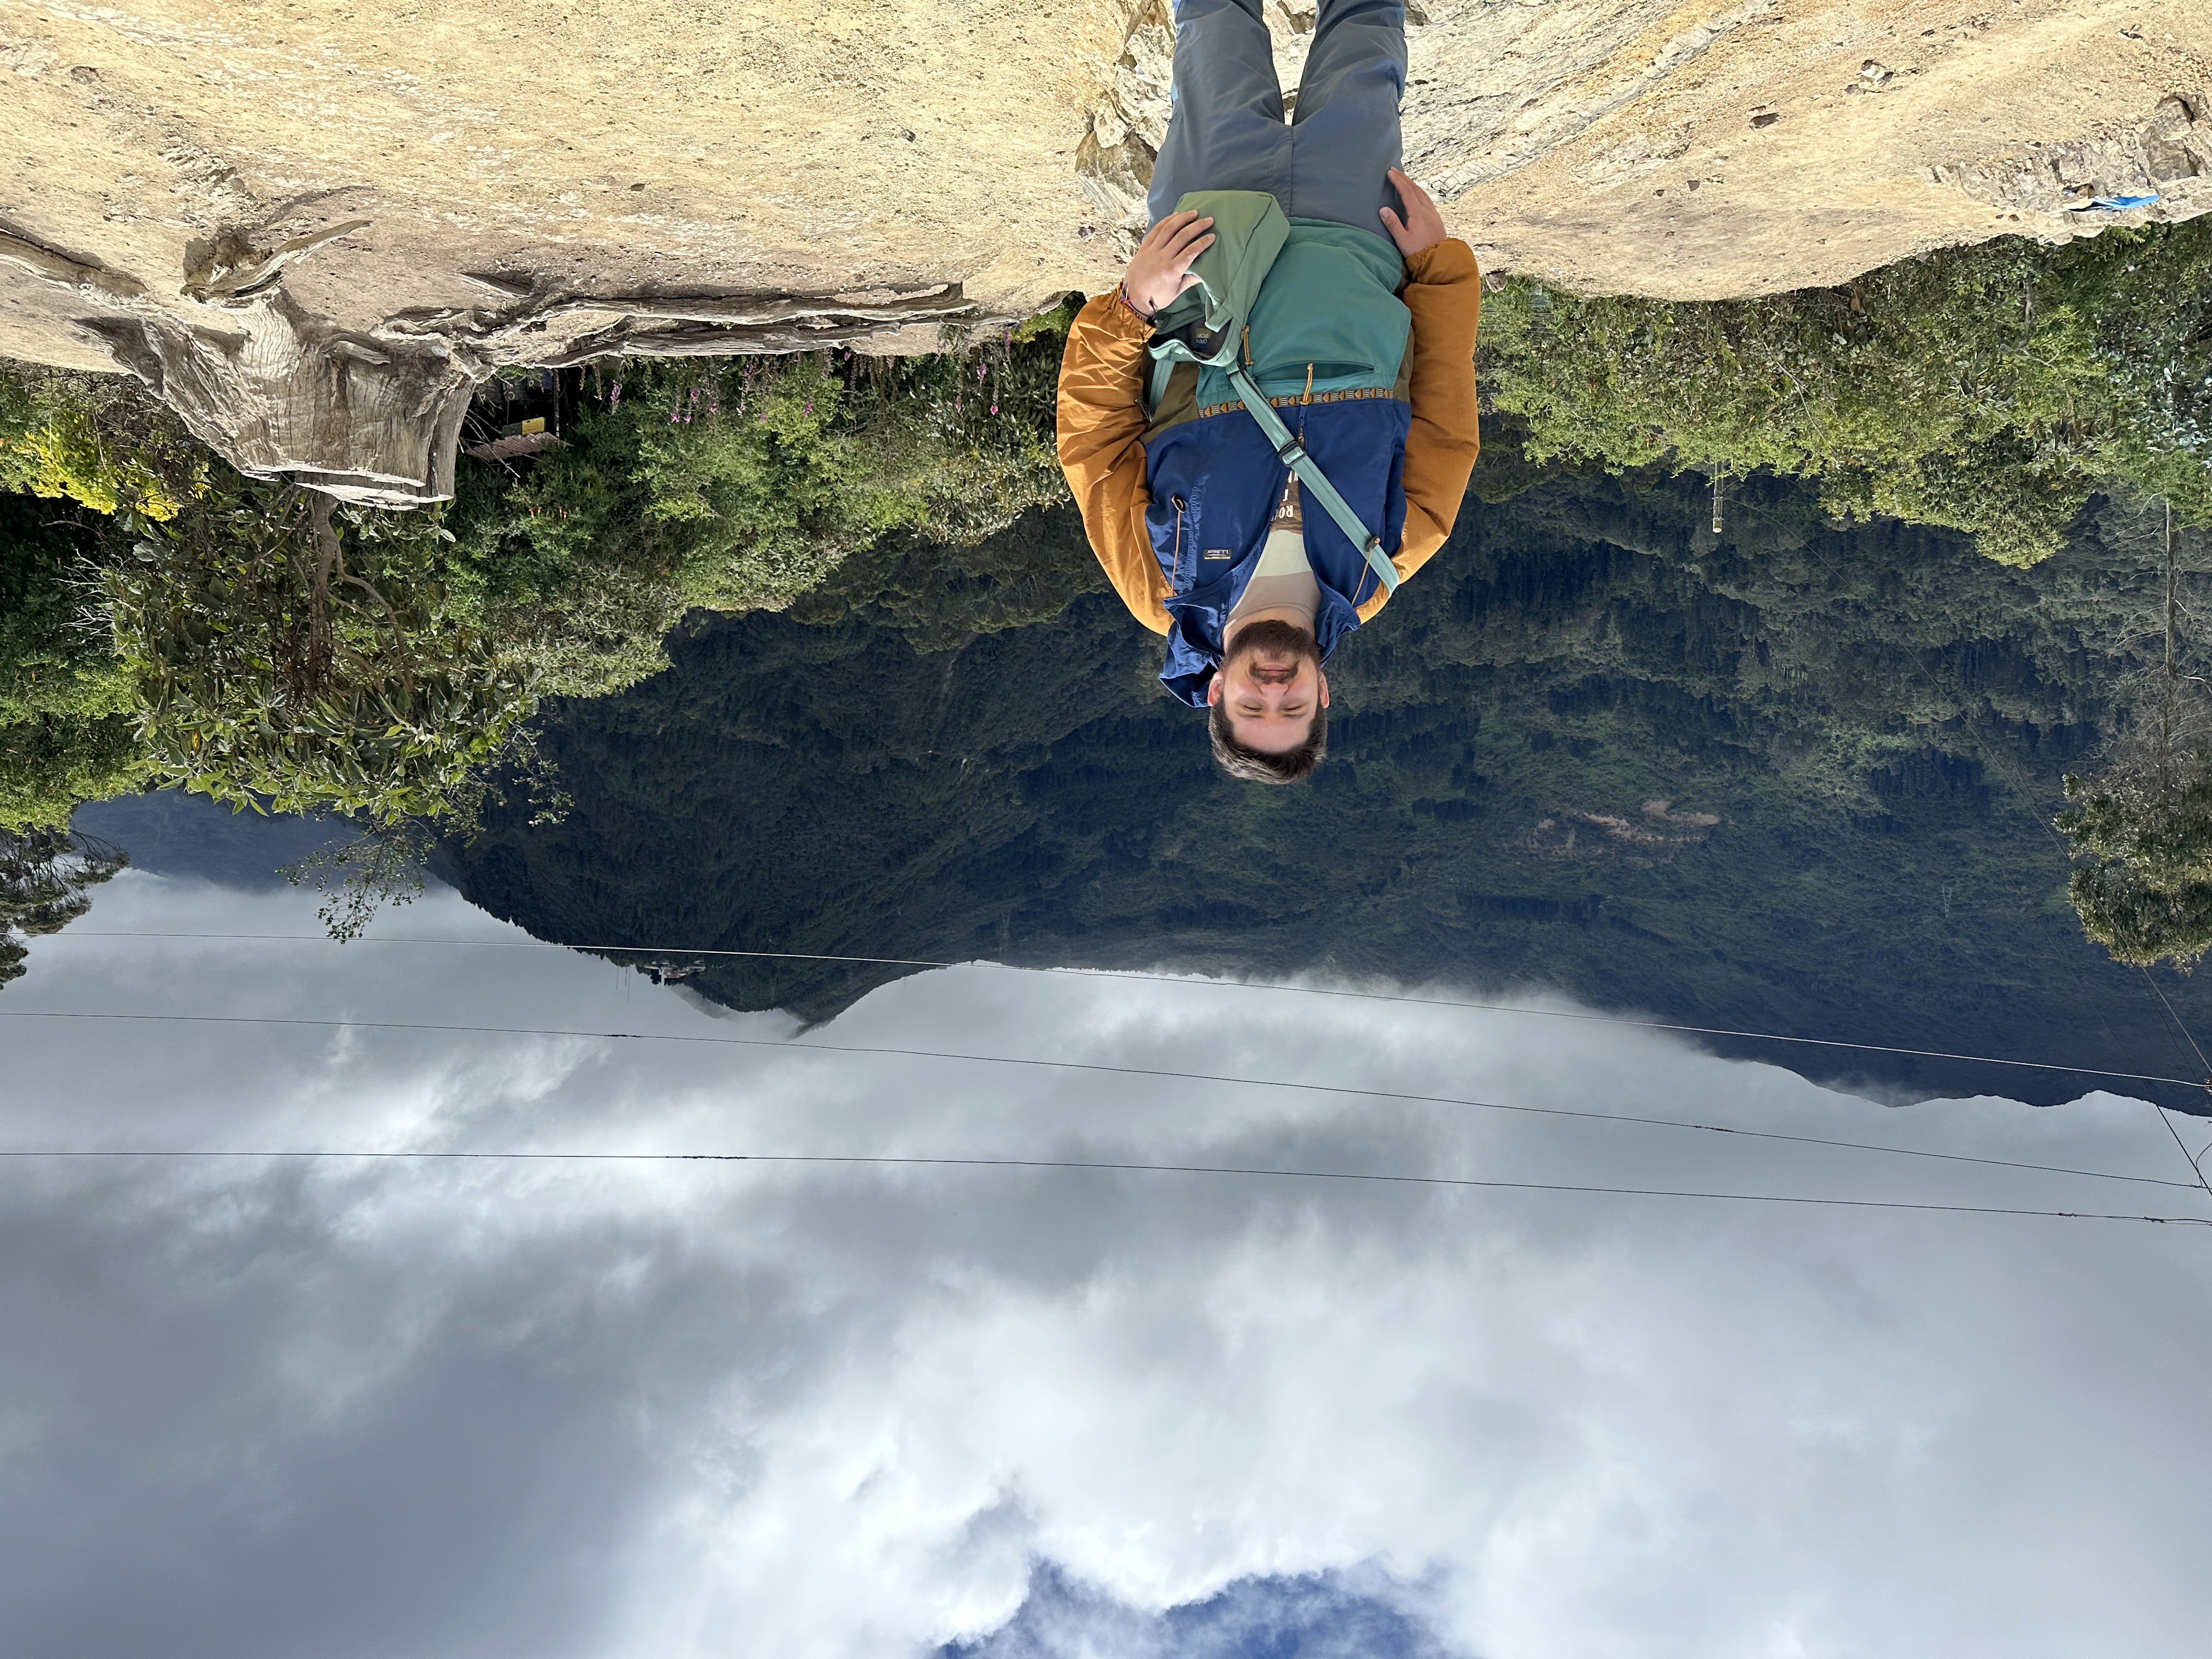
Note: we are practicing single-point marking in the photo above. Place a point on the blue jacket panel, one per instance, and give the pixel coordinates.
(1214, 482)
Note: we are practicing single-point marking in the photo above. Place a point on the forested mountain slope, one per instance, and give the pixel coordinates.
(1796, 778)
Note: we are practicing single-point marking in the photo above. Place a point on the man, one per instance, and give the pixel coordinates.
(1362, 341)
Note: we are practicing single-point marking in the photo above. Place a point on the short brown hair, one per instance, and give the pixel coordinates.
(1241, 760)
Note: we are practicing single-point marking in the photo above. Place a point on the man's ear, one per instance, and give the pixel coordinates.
(1324, 690)
(1213, 690)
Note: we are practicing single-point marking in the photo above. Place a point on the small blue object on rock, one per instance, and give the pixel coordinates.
(2117, 203)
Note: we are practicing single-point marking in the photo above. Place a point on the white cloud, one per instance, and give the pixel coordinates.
(704, 1409)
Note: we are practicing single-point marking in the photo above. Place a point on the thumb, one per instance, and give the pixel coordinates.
(1190, 280)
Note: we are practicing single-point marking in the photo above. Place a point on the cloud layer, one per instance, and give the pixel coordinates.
(267, 1406)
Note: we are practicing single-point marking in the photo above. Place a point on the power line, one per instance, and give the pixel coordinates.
(2195, 1164)
(2195, 1168)
(1115, 1166)
(1173, 979)
(1099, 1067)
(2165, 1117)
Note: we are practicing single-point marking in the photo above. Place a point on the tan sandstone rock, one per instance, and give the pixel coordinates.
(535, 180)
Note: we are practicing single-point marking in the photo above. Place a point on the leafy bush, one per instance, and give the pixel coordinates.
(1991, 390)
(65, 702)
(286, 651)
(741, 484)
(98, 441)
(2145, 893)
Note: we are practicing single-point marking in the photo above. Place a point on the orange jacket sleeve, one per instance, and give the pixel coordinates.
(1443, 290)
(1101, 449)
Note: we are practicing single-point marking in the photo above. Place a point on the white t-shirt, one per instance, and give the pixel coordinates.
(1283, 576)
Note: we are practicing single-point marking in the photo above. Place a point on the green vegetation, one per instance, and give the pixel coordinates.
(252, 643)
(731, 485)
(287, 653)
(96, 439)
(2145, 892)
(1993, 390)
(940, 595)
(65, 702)
(242, 639)
(1796, 778)
(182, 625)
(379, 664)
(2141, 827)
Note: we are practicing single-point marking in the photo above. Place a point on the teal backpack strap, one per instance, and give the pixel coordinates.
(1292, 454)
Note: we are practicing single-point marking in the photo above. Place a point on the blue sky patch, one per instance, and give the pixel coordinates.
(1358, 1614)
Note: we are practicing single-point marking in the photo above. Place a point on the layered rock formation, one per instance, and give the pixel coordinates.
(501, 182)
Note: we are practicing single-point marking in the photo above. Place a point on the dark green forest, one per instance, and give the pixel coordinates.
(167, 621)
(1796, 778)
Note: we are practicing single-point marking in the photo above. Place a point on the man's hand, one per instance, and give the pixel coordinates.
(1162, 270)
(1422, 227)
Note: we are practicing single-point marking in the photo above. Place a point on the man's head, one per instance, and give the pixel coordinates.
(1268, 706)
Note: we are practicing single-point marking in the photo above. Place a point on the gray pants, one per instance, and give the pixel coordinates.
(1227, 132)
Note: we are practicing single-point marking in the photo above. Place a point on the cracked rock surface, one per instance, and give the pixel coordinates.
(737, 148)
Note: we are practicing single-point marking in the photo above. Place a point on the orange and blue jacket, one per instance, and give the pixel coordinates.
(1175, 500)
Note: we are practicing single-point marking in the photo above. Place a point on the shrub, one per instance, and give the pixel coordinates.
(65, 702)
(738, 484)
(1992, 390)
(287, 653)
(99, 440)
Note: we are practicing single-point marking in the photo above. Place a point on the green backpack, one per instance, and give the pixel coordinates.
(1205, 326)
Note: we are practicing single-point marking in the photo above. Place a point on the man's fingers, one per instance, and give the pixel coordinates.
(1167, 228)
(1191, 233)
(1185, 256)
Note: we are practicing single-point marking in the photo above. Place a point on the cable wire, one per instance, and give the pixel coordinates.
(1174, 979)
(2196, 1165)
(1100, 1067)
(1117, 1166)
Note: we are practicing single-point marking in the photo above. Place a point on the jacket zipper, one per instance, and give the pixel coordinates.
(1180, 505)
